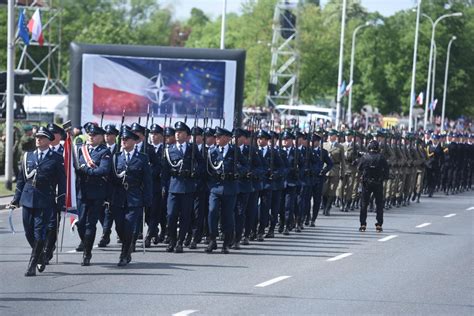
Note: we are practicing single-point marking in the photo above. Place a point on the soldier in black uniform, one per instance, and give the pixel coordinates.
(41, 173)
(374, 170)
(434, 153)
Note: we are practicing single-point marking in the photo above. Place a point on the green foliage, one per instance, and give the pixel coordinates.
(383, 57)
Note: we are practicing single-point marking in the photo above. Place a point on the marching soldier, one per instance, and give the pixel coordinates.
(226, 166)
(374, 170)
(132, 191)
(105, 218)
(336, 153)
(434, 153)
(94, 163)
(55, 220)
(185, 165)
(348, 183)
(319, 177)
(40, 189)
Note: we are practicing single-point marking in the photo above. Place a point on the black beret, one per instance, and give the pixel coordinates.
(333, 132)
(95, 130)
(111, 129)
(156, 129)
(128, 133)
(222, 132)
(55, 129)
(299, 134)
(196, 131)
(209, 131)
(138, 128)
(316, 137)
(238, 132)
(182, 127)
(45, 132)
(169, 131)
(263, 134)
(287, 135)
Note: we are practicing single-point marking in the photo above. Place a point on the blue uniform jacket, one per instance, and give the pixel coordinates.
(181, 178)
(223, 180)
(93, 182)
(323, 156)
(39, 191)
(272, 174)
(132, 182)
(295, 163)
(256, 169)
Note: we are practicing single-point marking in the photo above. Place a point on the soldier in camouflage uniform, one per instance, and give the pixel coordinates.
(350, 160)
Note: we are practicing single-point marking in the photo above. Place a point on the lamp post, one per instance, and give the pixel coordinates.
(433, 29)
(433, 82)
(341, 60)
(413, 74)
(349, 105)
(446, 81)
(224, 12)
(9, 95)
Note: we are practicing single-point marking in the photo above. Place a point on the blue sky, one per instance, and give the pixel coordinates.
(213, 8)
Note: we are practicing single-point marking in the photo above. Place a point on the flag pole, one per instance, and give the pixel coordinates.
(9, 95)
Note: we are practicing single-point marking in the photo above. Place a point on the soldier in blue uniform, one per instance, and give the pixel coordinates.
(144, 147)
(132, 191)
(105, 218)
(209, 140)
(154, 214)
(53, 224)
(94, 160)
(185, 166)
(170, 140)
(303, 194)
(40, 189)
(274, 171)
(320, 169)
(295, 163)
(225, 166)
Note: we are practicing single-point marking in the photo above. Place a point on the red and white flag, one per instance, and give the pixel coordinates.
(35, 28)
(419, 99)
(71, 201)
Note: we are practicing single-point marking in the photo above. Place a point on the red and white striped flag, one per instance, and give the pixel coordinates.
(71, 201)
(35, 27)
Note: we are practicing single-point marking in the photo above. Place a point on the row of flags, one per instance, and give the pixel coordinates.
(420, 98)
(345, 90)
(33, 27)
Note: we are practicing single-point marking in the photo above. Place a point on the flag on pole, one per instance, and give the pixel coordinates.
(71, 202)
(35, 27)
(342, 89)
(433, 104)
(419, 99)
(22, 28)
(348, 88)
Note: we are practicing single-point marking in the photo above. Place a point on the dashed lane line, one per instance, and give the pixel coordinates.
(339, 257)
(273, 281)
(185, 312)
(388, 238)
(449, 215)
(423, 225)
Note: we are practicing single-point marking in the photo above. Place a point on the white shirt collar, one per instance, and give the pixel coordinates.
(45, 152)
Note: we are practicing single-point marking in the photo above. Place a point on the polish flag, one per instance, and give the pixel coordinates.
(35, 28)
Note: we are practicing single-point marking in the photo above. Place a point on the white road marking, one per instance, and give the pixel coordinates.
(185, 312)
(388, 238)
(470, 208)
(272, 281)
(449, 215)
(71, 251)
(423, 225)
(339, 257)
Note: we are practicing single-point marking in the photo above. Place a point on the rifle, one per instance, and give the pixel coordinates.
(144, 150)
(204, 139)
(164, 138)
(236, 147)
(272, 153)
(101, 119)
(119, 138)
(193, 148)
(307, 153)
(251, 129)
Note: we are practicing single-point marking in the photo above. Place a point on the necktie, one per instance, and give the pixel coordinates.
(40, 157)
(181, 148)
(221, 149)
(128, 157)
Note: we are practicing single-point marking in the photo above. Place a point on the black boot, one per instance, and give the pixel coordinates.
(50, 245)
(34, 258)
(104, 240)
(124, 255)
(87, 254)
(270, 234)
(212, 246)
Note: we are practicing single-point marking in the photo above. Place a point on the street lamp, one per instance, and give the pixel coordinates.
(341, 60)
(446, 82)
(433, 81)
(349, 106)
(433, 29)
(413, 73)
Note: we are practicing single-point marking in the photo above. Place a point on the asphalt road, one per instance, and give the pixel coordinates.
(330, 269)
